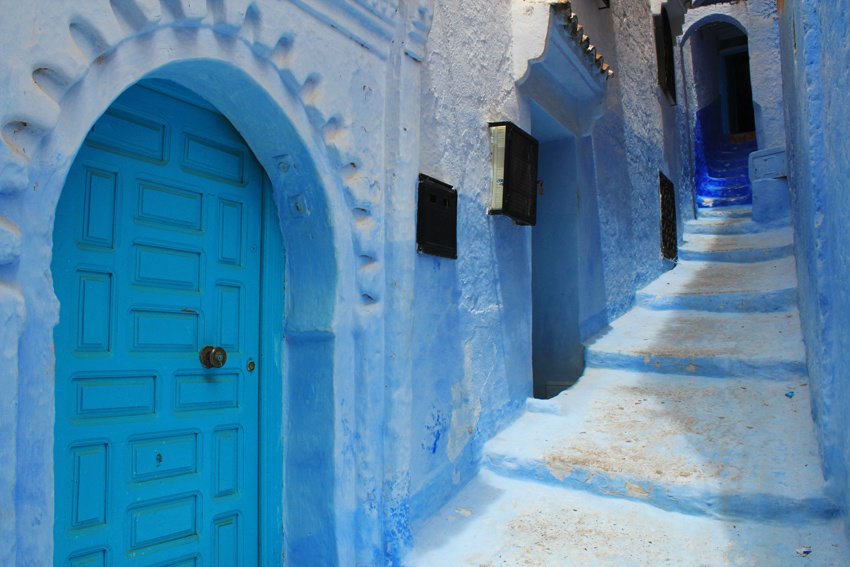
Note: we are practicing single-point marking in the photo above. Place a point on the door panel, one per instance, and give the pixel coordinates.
(157, 254)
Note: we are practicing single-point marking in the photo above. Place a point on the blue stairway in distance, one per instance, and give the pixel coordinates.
(722, 175)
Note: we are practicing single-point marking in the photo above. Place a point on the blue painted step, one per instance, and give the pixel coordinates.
(704, 201)
(740, 211)
(731, 175)
(730, 191)
(727, 225)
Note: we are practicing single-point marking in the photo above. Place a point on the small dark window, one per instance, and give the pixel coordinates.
(436, 218)
(664, 54)
(669, 238)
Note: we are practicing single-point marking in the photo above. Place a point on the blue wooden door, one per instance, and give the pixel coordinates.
(156, 255)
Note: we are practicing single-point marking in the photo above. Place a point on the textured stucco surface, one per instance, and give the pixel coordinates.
(814, 47)
(472, 319)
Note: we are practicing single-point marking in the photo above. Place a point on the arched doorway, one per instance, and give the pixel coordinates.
(305, 151)
(159, 252)
(724, 123)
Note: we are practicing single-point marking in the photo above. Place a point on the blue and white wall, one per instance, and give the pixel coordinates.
(815, 52)
(414, 362)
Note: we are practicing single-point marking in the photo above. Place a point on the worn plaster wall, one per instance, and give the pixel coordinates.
(814, 49)
(472, 316)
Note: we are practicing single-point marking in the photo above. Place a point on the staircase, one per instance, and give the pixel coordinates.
(723, 180)
(688, 441)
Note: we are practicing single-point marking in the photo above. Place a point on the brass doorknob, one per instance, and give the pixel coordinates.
(213, 357)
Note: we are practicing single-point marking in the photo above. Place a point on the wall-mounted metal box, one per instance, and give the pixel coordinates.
(514, 183)
(436, 218)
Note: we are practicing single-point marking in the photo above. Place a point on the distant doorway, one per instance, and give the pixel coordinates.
(723, 118)
(740, 120)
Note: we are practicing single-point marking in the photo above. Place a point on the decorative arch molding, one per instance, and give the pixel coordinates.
(557, 66)
(711, 18)
(293, 104)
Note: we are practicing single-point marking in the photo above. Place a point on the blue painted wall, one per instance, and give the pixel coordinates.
(472, 340)
(815, 52)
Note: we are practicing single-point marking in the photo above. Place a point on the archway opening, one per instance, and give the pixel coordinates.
(724, 117)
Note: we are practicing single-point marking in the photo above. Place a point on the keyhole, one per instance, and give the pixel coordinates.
(158, 458)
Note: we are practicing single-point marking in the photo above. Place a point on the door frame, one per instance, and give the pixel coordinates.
(270, 403)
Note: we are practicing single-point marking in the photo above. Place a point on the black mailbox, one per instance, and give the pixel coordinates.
(436, 218)
(514, 182)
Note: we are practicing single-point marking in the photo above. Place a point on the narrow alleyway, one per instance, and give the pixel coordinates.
(688, 440)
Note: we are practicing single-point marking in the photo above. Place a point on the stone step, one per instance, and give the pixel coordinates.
(724, 287)
(725, 448)
(503, 522)
(740, 211)
(722, 225)
(740, 147)
(766, 345)
(740, 163)
(729, 163)
(737, 176)
(717, 191)
(755, 247)
(730, 159)
(722, 173)
(709, 202)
